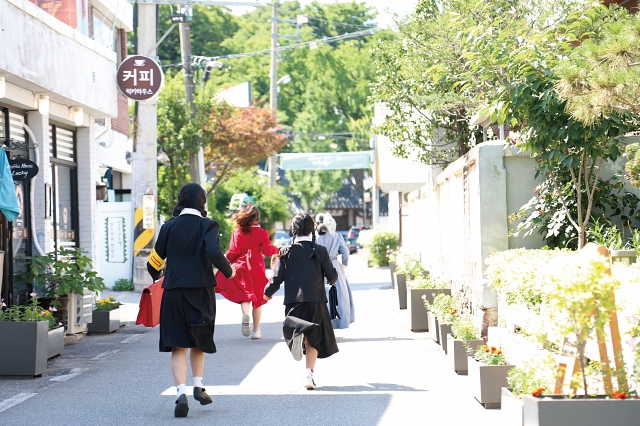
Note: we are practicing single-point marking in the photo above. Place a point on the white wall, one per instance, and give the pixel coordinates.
(112, 269)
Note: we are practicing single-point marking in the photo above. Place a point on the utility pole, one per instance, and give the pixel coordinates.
(183, 18)
(145, 171)
(273, 87)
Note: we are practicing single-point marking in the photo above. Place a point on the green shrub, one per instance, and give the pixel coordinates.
(463, 329)
(429, 282)
(410, 266)
(379, 245)
(123, 284)
(444, 307)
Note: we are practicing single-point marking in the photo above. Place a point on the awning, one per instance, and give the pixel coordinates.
(326, 161)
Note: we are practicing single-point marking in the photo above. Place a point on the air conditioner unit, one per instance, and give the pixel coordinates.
(80, 312)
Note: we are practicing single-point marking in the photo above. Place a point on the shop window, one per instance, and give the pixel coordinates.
(64, 183)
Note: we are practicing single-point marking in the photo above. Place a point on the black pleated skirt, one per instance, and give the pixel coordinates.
(187, 319)
(312, 320)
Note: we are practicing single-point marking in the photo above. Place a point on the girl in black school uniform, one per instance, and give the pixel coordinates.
(304, 266)
(189, 243)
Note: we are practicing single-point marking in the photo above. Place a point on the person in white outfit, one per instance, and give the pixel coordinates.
(335, 244)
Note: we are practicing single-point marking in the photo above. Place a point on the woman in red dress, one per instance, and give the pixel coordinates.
(248, 244)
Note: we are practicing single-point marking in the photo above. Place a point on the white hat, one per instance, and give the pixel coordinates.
(328, 221)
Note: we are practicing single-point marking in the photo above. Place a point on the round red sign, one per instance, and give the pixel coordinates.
(140, 78)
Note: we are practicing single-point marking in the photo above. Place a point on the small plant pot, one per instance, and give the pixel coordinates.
(487, 382)
(444, 330)
(392, 269)
(401, 284)
(458, 352)
(626, 257)
(55, 340)
(419, 321)
(553, 410)
(434, 327)
(512, 408)
(104, 321)
(27, 353)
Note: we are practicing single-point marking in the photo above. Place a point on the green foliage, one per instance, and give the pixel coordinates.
(444, 307)
(123, 284)
(531, 376)
(545, 213)
(633, 163)
(63, 271)
(408, 265)
(377, 247)
(490, 355)
(107, 304)
(32, 311)
(464, 329)
(429, 282)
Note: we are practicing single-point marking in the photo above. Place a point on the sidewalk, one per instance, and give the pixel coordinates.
(384, 374)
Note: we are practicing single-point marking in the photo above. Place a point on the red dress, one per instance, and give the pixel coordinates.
(245, 254)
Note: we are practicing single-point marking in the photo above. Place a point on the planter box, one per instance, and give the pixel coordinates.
(434, 327)
(392, 269)
(487, 382)
(27, 353)
(55, 339)
(444, 330)
(457, 353)
(512, 408)
(553, 410)
(419, 321)
(401, 284)
(104, 321)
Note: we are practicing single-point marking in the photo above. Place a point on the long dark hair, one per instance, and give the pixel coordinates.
(302, 224)
(321, 228)
(247, 216)
(191, 196)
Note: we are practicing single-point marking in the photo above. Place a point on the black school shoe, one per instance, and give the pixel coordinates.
(201, 396)
(182, 406)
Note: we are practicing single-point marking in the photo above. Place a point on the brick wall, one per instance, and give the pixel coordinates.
(121, 123)
(90, 19)
(123, 43)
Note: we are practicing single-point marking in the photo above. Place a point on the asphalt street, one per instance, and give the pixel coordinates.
(384, 374)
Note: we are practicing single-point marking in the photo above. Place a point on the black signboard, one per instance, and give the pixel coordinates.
(23, 169)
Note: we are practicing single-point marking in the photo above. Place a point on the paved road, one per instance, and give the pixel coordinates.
(383, 375)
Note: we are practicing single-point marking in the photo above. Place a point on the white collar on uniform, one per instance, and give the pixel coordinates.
(303, 239)
(188, 210)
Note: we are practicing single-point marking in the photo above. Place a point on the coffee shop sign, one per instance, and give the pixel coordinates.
(23, 169)
(140, 78)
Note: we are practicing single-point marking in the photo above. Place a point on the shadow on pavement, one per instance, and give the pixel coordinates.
(372, 387)
(372, 339)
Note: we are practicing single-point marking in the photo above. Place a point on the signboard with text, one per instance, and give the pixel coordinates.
(140, 78)
(23, 169)
(148, 211)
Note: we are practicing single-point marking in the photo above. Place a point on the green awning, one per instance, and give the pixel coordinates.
(326, 161)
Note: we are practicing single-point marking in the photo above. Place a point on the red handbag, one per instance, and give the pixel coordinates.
(149, 312)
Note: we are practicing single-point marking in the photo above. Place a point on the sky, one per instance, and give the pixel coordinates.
(386, 8)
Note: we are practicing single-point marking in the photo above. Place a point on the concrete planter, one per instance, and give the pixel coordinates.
(104, 321)
(512, 408)
(55, 342)
(457, 353)
(434, 327)
(27, 353)
(553, 410)
(444, 330)
(401, 285)
(419, 321)
(392, 269)
(487, 382)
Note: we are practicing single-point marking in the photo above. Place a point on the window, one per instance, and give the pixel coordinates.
(103, 30)
(65, 191)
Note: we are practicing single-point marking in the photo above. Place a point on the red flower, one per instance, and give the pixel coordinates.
(620, 395)
(538, 391)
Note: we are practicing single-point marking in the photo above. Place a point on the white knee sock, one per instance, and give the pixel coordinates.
(197, 382)
(182, 389)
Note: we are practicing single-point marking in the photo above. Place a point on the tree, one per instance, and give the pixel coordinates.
(518, 62)
(232, 138)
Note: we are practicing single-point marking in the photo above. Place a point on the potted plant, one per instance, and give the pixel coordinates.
(442, 313)
(532, 377)
(581, 303)
(462, 342)
(423, 290)
(61, 273)
(106, 316)
(378, 246)
(488, 370)
(392, 255)
(406, 269)
(55, 336)
(26, 327)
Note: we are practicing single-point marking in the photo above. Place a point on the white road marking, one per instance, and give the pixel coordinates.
(105, 355)
(73, 373)
(132, 338)
(15, 400)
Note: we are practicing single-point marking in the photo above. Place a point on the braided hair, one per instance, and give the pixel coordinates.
(302, 224)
